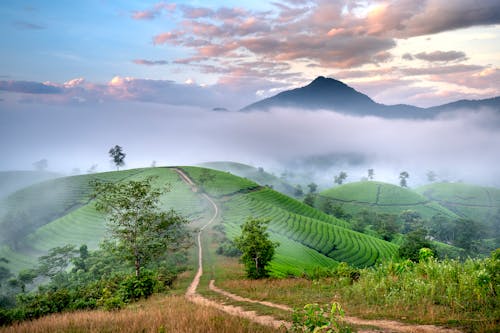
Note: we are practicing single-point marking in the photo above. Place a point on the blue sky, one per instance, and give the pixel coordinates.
(417, 52)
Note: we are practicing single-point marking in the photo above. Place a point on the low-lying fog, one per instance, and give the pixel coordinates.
(459, 146)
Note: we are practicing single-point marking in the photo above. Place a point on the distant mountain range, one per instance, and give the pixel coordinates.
(330, 94)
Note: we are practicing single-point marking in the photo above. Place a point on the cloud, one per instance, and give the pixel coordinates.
(149, 62)
(179, 136)
(441, 56)
(23, 25)
(153, 12)
(29, 87)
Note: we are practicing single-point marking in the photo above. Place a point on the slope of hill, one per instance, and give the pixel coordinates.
(258, 175)
(383, 198)
(308, 238)
(11, 181)
(65, 215)
(59, 212)
(469, 201)
(330, 94)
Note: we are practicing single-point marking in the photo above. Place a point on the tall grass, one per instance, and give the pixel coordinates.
(159, 314)
(450, 293)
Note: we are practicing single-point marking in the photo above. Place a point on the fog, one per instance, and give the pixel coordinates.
(458, 146)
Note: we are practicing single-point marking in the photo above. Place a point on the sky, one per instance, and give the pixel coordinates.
(78, 77)
(231, 53)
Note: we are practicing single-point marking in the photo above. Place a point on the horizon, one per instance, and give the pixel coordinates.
(150, 76)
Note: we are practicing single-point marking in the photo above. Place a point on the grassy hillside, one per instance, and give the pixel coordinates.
(308, 238)
(383, 198)
(470, 201)
(11, 181)
(59, 212)
(257, 175)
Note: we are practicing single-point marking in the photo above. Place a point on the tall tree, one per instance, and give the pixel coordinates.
(257, 248)
(431, 176)
(339, 179)
(371, 174)
(41, 165)
(118, 156)
(142, 232)
(313, 187)
(402, 178)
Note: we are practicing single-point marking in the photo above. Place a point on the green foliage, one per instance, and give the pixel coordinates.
(413, 243)
(117, 156)
(402, 179)
(328, 318)
(257, 248)
(339, 179)
(228, 248)
(313, 187)
(309, 199)
(56, 261)
(141, 230)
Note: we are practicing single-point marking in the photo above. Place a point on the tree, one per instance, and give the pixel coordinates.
(309, 199)
(257, 248)
(431, 176)
(118, 156)
(56, 261)
(41, 165)
(298, 191)
(412, 220)
(386, 226)
(92, 169)
(402, 178)
(141, 231)
(313, 187)
(371, 174)
(339, 179)
(414, 241)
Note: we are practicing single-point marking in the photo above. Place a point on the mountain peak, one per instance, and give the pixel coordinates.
(321, 93)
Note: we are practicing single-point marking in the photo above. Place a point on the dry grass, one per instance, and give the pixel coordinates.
(158, 314)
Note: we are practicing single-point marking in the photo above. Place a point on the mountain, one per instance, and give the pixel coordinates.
(330, 94)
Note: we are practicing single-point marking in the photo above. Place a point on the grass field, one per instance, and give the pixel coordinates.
(382, 198)
(470, 201)
(69, 218)
(308, 238)
(257, 175)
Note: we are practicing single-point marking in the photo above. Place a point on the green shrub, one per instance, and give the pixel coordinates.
(317, 318)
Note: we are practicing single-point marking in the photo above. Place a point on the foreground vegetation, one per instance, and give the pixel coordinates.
(159, 314)
(447, 293)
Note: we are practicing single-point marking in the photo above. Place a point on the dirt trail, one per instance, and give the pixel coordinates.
(193, 296)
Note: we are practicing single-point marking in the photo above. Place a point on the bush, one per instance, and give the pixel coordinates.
(133, 288)
(316, 318)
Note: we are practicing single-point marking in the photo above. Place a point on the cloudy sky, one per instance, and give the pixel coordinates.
(229, 53)
(78, 77)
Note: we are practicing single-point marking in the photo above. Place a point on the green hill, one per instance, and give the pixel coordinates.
(59, 212)
(469, 201)
(308, 237)
(258, 175)
(11, 181)
(383, 198)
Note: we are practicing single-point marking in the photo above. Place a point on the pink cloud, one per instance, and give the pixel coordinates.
(154, 12)
(149, 62)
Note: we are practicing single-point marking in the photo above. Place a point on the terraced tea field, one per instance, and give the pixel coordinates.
(296, 226)
(470, 201)
(383, 198)
(59, 212)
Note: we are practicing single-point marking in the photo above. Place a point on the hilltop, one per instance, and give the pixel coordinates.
(330, 94)
(258, 175)
(383, 198)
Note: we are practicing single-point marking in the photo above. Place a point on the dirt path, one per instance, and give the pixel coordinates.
(193, 296)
